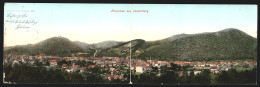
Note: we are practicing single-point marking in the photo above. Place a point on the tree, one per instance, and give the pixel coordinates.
(89, 63)
(62, 62)
(154, 69)
(81, 63)
(47, 63)
(234, 77)
(252, 76)
(203, 78)
(76, 77)
(186, 80)
(8, 70)
(37, 63)
(174, 67)
(169, 78)
(116, 81)
(147, 78)
(94, 78)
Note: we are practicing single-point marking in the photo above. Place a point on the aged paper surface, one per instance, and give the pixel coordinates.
(175, 44)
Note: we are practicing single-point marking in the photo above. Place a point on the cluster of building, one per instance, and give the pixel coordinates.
(137, 65)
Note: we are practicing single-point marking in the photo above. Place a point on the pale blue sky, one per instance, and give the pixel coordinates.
(93, 23)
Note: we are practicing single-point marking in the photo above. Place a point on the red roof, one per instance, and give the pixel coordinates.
(82, 68)
(114, 76)
(91, 66)
(112, 69)
(213, 67)
(54, 62)
(181, 73)
(64, 64)
(74, 67)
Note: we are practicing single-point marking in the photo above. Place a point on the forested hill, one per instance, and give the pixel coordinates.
(225, 44)
(58, 46)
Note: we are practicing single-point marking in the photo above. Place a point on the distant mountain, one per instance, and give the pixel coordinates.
(178, 36)
(82, 45)
(106, 44)
(122, 49)
(58, 46)
(226, 44)
(100, 45)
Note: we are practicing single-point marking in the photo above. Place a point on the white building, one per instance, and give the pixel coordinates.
(196, 72)
(53, 63)
(139, 69)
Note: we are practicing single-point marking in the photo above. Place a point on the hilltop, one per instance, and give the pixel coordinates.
(225, 44)
(59, 46)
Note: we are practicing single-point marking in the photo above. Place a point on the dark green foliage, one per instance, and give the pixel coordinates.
(47, 63)
(95, 78)
(200, 79)
(90, 52)
(203, 78)
(232, 44)
(76, 77)
(147, 78)
(116, 81)
(187, 80)
(174, 67)
(81, 63)
(62, 62)
(89, 63)
(37, 63)
(24, 73)
(234, 77)
(169, 78)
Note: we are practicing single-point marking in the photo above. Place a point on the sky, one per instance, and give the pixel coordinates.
(93, 23)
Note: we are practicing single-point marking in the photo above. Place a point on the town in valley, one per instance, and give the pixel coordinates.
(116, 68)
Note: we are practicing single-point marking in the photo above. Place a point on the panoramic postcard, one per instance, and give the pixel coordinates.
(158, 44)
